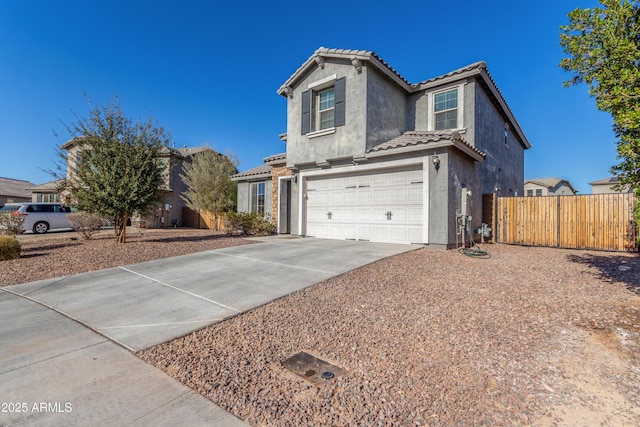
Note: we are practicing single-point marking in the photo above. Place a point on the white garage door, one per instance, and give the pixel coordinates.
(377, 206)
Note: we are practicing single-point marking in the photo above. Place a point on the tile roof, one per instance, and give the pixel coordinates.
(47, 186)
(611, 181)
(366, 55)
(15, 187)
(415, 138)
(362, 54)
(263, 171)
(471, 67)
(276, 158)
(544, 182)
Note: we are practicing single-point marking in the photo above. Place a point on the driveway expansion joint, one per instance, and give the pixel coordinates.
(180, 290)
(275, 263)
(70, 317)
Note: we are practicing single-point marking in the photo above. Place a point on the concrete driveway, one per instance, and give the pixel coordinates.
(64, 341)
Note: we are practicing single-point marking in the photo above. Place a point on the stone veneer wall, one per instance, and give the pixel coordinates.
(276, 172)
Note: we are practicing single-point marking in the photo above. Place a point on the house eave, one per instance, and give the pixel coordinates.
(479, 71)
(431, 146)
(257, 177)
(352, 55)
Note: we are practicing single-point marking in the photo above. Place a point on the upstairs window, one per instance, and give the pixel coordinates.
(257, 196)
(445, 108)
(323, 106)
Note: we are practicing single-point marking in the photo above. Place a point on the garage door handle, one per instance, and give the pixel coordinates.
(389, 214)
(329, 215)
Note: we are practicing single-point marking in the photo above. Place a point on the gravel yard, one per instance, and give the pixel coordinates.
(529, 336)
(63, 253)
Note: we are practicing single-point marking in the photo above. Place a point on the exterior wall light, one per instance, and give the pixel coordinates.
(436, 161)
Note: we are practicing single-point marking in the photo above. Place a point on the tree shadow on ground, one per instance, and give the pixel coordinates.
(50, 247)
(613, 268)
(169, 239)
(33, 255)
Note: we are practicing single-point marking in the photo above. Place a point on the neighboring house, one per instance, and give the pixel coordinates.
(169, 211)
(14, 191)
(605, 186)
(374, 157)
(48, 192)
(548, 187)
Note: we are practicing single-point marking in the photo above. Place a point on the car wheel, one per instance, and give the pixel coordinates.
(40, 227)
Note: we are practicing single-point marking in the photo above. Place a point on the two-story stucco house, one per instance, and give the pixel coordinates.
(168, 212)
(374, 157)
(548, 187)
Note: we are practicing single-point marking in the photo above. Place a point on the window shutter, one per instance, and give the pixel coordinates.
(306, 112)
(340, 101)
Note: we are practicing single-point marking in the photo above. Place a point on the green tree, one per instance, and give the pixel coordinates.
(208, 178)
(603, 45)
(603, 48)
(114, 164)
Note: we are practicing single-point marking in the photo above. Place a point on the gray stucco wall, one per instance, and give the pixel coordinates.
(418, 111)
(470, 108)
(503, 167)
(464, 179)
(243, 196)
(159, 216)
(295, 211)
(439, 209)
(348, 140)
(386, 109)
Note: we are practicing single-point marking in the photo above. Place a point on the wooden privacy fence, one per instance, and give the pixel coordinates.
(595, 221)
(200, 219)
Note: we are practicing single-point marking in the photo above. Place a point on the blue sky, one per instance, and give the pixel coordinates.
(209, 72)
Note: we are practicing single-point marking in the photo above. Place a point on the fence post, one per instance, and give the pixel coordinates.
(494, 219)
(558, 221)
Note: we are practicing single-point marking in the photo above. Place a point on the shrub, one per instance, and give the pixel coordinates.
(232, 222)
(248, 223)
(9, 248)
(85, 223)
(11, 223)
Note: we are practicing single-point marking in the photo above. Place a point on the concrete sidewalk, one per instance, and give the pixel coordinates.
(64, 357)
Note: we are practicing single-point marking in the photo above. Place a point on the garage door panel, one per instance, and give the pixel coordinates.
(359, 205)
(363, 232)
(415, 214)
(349, 214)
(414, 194)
